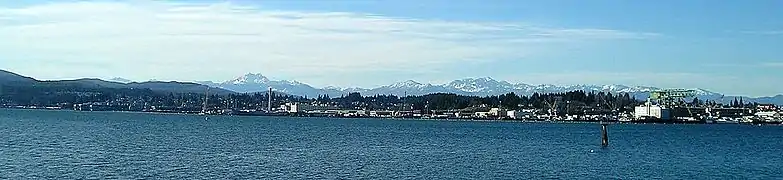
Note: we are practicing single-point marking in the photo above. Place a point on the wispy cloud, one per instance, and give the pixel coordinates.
(746, 65)
(773, 64)
(774, 32)
(216, 41)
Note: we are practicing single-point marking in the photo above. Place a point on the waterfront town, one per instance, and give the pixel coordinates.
(665, 106)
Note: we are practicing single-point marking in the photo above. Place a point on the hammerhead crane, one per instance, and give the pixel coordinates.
(611, 105)
(671, 97)
(553, 105)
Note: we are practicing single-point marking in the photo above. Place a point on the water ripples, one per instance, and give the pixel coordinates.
(82, 145)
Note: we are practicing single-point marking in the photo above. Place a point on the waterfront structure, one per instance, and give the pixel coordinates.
(497, 112)
(670, 97)
(515, 114)
(652, 111)
(296, 107)
(768, 114)
(462, 114)
(381, 113)
(727, 112)
(666, 105)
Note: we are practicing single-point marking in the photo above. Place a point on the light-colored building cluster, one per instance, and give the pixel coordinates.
(331, 110)
(762, 114)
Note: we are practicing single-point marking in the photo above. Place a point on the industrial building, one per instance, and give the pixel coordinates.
(652, 111)
(665, 105)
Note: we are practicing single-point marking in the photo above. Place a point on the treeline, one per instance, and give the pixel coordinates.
(27, 95)
(63, 95)
(53, 95)
(446, 101)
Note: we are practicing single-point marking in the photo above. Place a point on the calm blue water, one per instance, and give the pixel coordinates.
(104, 145)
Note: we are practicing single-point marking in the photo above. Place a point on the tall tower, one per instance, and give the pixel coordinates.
(269, 102)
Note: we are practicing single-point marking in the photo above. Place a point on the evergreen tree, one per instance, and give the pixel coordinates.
(735, 103)
(741, 103)
(696, 102)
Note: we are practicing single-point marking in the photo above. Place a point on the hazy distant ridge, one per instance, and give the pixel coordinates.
(13, 79)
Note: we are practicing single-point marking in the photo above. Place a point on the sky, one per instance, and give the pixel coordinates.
(727, 46)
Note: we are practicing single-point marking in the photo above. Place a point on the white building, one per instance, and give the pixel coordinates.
(496, 112)
(461, 115)
(381, 113)
(481, 114)
(516, 114)
(652, 111)
(768, 114)
(299, 107)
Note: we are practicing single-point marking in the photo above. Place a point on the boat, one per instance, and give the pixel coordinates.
(726, 121)
(709, 120)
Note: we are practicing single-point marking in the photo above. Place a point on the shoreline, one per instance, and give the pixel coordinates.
(399, 118)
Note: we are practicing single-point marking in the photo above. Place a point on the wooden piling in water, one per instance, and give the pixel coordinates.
(604, 135)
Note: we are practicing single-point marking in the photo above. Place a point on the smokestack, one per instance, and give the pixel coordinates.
(269, 103)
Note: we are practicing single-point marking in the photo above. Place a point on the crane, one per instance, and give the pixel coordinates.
(553, 105)
(671, 97)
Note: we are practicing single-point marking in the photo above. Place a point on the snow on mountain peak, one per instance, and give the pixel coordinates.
(333, 88)
(700, 91)
(408, 84)
(614, 87)
(120, 80)
(483, 86)
(476, 85)
(293, 83)
(485, 79)
(257, 78)
(477, 80)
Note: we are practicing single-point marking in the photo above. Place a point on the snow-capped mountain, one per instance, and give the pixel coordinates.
(249, 78)
(409, 84)
(483, 85)
(469, 86)
(408, 87)
(488, 86)
(120, 80)
(259, 83)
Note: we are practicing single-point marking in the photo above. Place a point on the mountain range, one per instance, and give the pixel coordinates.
(469, 86)
(249, 83)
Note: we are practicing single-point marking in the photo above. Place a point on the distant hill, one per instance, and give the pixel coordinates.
(177, 87)
(85, 83)
(769, 100)
(9, 78)
(13, 79)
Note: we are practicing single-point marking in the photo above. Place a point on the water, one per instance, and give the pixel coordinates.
(105, 145)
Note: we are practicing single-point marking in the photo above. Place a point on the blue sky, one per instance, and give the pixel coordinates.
(724, 46)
